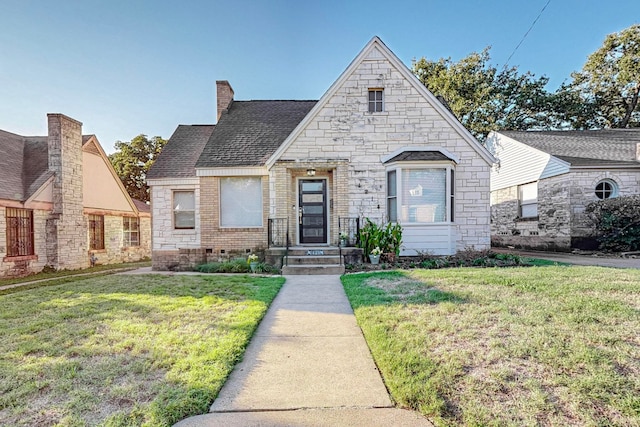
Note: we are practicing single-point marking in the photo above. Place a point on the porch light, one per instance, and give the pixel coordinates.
(311, 172)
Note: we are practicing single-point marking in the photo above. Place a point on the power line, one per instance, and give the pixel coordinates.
(527, 33)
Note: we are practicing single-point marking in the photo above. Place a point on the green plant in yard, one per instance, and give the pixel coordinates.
(518, 346)
(388, 238)
(121, 352)
(616, 222)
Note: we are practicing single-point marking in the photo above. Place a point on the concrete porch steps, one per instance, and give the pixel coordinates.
(313, 260)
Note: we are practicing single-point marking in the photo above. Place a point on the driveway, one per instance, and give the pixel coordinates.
(576, 259)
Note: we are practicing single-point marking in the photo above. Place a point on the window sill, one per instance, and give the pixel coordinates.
(527, 219)
(184, 231)
(97, 251)
(248, 228)
(20, 258)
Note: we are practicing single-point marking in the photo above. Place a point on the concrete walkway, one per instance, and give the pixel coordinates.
(307, 365)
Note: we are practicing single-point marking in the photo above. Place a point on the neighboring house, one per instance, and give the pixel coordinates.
(377, 145)
(544, 180)
(62, 204)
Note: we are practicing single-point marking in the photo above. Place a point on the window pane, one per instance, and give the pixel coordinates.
(529, 211)
(241, 202)
(392, 209)
(424, 195)
(184, 200)
(529, 192)
(391, 183)
(185, 219)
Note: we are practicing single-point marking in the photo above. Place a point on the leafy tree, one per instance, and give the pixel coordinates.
(605, 93)
(132, 161)
(484, 98)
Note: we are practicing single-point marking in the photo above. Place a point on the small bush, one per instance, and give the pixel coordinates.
(617, 223)
(236, 266)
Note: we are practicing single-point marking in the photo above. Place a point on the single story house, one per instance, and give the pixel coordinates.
(544, 180)
(376, 145)
(62, 206)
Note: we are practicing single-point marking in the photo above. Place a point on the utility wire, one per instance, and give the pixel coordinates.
(527, 33)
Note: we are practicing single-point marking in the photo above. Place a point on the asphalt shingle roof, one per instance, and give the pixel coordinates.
(584, 147)
(251, 131)
(179, 155)
(413, 156)
(24, 165)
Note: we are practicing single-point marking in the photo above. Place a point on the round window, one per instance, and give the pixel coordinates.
(606, 189)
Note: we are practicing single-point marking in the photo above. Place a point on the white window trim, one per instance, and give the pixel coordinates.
(173, 210)
(529, 203)
(399, 167)
(382, 101)
(248, 227)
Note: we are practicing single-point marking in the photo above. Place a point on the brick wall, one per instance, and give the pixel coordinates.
(224, 241)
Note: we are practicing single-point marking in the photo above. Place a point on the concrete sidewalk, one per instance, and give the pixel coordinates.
(307, 365)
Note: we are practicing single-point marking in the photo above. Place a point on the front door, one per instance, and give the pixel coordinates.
(312, 213)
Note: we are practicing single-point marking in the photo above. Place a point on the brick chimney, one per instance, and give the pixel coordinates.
(224, 94)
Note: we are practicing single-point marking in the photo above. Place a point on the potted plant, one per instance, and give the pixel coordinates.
(344, 237)
(252, 260)
(374, 256)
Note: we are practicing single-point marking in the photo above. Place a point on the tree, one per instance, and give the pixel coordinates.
(132, 161)
(608, 86)
(484, 98)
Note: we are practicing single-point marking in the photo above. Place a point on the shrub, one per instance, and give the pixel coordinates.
(387, 238)
(616, 222)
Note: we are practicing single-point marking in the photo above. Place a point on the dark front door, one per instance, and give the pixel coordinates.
(312, 214)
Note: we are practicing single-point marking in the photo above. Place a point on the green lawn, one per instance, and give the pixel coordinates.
(124, 350)
(557, 346)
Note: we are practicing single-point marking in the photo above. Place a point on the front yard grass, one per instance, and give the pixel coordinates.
(124, 350)
(506, 347)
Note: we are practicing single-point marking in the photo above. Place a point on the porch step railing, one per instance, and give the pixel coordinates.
(278, 236)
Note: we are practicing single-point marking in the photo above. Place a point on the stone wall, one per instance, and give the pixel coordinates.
(561, 223)
(344, 130)
(20, 266)
(164, 236)
(114, 251)
(66, 229)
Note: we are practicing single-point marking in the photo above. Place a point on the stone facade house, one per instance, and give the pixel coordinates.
(544, 180)
(63, 206)
(377, 145)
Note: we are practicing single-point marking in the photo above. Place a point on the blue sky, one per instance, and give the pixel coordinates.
(125, 67)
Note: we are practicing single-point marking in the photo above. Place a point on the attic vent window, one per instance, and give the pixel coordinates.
(375, 100)
(606, 189)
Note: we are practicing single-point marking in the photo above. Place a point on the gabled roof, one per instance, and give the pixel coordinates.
(606, 147)
(24, 165)
(376, 47)
(180, 154)
(249, 132)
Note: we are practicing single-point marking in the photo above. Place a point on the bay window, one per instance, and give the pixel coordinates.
(418, 194)
(241, 202)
